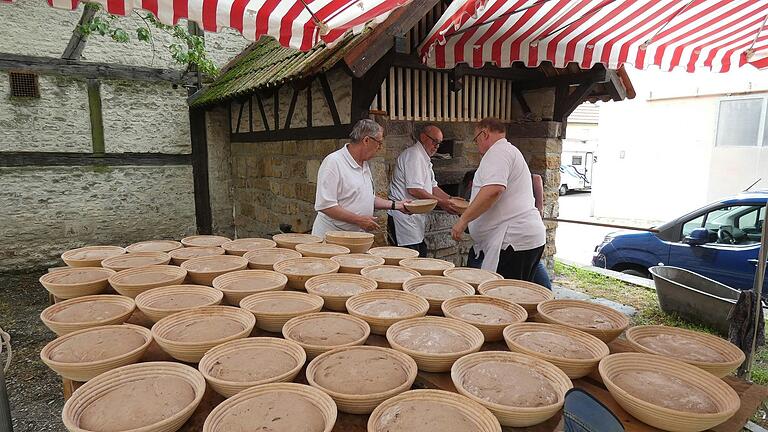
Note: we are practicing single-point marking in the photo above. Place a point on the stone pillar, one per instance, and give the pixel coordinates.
(220, 171)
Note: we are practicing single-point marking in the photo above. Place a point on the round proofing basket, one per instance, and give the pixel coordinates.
(619, 321)
(97, 284)
(136, 259)
(178, 256)
(338, 302)
(385, 282)
(230, 388)
(84, 371)
(62, 328)
(274, 321)
(510, 415)
(204, 241)
(436, 362)
(435, 304)
(315, 350)
(201, 269)
(244, 245)
(722, 394)
(145, 300)
(154, 246)
(298, 279)
(492, 332)
(317, 398)
(482, 420)
(356, 262)
(356, 242)
(102, 385)
(290, 240)
(363, 404)
(90, 256)
(511, 284)
(265, 259)
(460, 204)
(192, 352)
(272, 280)
(321, 250)
(421, 206)
(162, 275)
(574, 368)
(427, 266)
(393, 254)
(733, 356)
(471, 275)
(379, 325)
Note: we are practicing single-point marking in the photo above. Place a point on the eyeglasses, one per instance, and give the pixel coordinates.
(437, 143)
(477, 136)
(380, 143)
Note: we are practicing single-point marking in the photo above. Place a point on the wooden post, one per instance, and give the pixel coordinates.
(762, 256)
(5, 408)
(97, 120)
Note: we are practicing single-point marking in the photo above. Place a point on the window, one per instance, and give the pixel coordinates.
(24, 85)
(691, 225)
(733, 225)
(576, 160)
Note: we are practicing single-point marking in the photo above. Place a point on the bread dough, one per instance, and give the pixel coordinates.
(554, 344)
(341, 289)
(390, 274)
(251, 364)
(386, 308)
(179, 301)
(204, 329)
(681, 347)
(432, 339)
(582, 317)
(327, 331)
(77, 275)
(281, 305)
(218, 263)
(665, 390)
(277, 411)
(423, 416)
(438, 291)
(97, 344)
(88, 311)
(483, 313)
(251, 284)
(360, 372)
(509, 384)
(516, 294)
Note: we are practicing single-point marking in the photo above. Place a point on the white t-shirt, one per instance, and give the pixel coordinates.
(341, 181)
(504, 165)
(412, 170)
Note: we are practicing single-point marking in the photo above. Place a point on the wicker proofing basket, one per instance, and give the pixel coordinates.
(145, 300)
(356, 262)
(204, 270)
(321, 250)
(290, 240)
(265, 259)
(162, 275)
(178, 256)
(84, 371)
(421, 206)
(274, 281)
(364, 404)
(298, 279)
(436, 362)
(320, 400)
(105, 383)
(435, 304)
(619, 321)
(574, 368)
(192, 352)
(482, 419)
(491, 288)
(90, 256)
(99, 282)
(379, 325)
(245, 245)
(492, 332)
(733, 355)
(460, 204)
(471, 275)
(204, 240)
(136, 259)
(384, 282)
(231, 388)
(338, 302)
(427, 266)
(510, 415)
(62, 328)
(315, 350)
(721, 393)
(154, 246)
(393, 254)
(356, 242)
(274, 321)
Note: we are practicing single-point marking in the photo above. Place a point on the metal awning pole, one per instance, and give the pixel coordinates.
(758, 287)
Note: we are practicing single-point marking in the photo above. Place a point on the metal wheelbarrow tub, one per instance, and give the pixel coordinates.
(694, 297)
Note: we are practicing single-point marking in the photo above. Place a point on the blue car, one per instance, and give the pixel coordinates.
(720, 241)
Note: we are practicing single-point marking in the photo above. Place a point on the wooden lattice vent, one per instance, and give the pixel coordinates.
(24, 85)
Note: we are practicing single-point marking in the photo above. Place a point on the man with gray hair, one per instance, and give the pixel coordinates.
(413, 178)
(345, 198)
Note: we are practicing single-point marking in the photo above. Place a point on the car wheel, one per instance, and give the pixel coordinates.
(563, 190)
(637, 273)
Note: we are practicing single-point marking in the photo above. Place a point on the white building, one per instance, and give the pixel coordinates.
(685, 140)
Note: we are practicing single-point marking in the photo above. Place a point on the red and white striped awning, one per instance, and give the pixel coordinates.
(687, 34)
(297, 24)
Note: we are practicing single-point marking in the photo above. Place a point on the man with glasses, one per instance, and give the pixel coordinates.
(413, 178)
(345, 198)
(503, 221)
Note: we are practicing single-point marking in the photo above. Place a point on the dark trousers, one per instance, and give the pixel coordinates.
(420, 247)
(520, 265)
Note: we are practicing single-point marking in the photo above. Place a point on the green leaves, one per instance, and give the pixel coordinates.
(143, 34)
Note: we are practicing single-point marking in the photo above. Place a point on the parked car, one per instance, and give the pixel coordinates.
(720, 241)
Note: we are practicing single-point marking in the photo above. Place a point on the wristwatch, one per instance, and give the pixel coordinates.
(393, 204)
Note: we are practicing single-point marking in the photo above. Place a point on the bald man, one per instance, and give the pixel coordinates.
(412, 179)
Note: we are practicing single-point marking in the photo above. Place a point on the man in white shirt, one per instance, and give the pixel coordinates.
(345, 198)
(502, 217)
(412, 179)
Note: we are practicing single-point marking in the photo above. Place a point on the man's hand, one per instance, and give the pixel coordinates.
(400, 206)
(447, 205)
(367, 223)
(457, 231)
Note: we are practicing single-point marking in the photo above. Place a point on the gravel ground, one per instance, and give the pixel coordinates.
(35, 391)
